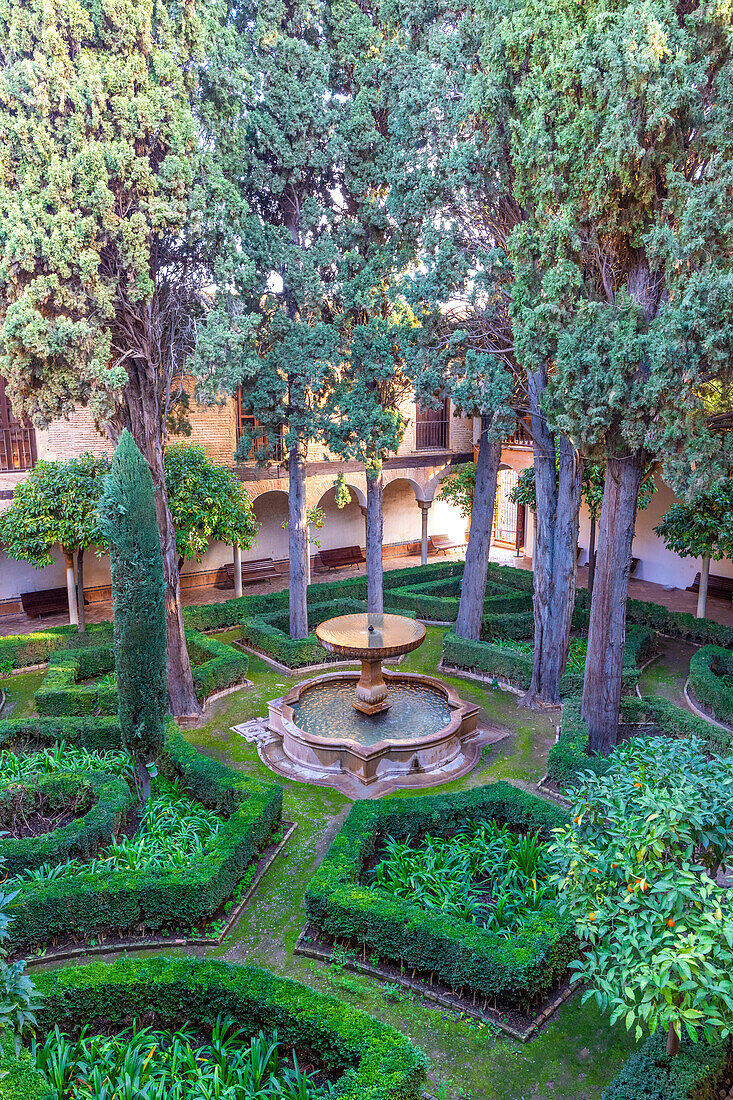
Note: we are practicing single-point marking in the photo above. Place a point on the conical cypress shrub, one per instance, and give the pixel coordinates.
(127, 517)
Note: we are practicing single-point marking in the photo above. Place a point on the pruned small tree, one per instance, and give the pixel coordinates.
(128, 518)
(459, 489)
(56, 505)
(701, 528)
(637, 869)
(207, 503)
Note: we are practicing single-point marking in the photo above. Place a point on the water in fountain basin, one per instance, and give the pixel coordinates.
(327, 710)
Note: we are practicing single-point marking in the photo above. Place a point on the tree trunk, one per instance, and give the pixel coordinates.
(80, 588)
(473, 586)
(607, 630)
(673, 1041)
(557, 488)
(702, 595)
(592, 554)
(71, 588)
(237, 570)
(374, 535)
(146, 427)
(298, 543)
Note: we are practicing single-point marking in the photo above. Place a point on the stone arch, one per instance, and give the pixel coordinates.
(271, 510)
(417, 488)
(343, 526)
(401, 509)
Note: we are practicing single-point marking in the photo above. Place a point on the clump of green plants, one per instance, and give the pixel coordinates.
(576, 654)
(148, 1064)
(173, 830)
(61, 757)
(484, 874)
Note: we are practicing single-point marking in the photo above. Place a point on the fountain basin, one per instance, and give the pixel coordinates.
(422, 734)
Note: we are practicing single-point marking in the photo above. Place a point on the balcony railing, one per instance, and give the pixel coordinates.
(17, 449)
(280, 452)
(521, 437)
(431, 435)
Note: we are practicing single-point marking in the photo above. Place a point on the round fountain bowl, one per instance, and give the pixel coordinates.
(422, 736)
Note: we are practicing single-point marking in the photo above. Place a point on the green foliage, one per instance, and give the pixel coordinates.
(128, 518)
(78, 267)
(696, 1073)
(703, 526)
(56, 505)
(154, 897)
(569, 755)
(515, 971)
(458, 488)
(21, 650)
(711, 680)
(60, 694)
(484, 874)
(19, 1079)
(216, 665)
(269, 633)
(375, 1061)
(438, 600)
(106, 799)
(164, 1065)
(207, 502)
(637, 870)
(594, 480)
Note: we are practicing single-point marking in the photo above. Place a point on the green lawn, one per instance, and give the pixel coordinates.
(571, 1059)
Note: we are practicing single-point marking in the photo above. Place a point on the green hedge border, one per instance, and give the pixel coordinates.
(22, 650)
(268, 633)
(216, 666)
(146, 900)
(111, 799)
(516, 668)
(569, 754)
(694, 1074)
(707, 666)
(375, 1061)
(439, 600)
(516, 971)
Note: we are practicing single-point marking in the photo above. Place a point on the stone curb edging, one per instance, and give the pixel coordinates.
(696, 708)
(423, 990)
(171, 941)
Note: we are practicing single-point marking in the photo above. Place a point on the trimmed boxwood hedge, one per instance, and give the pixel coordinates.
(269, 633)
(19, 1078)
(708, 666)
(133, 901)
(216, 666)
(95, 734)
(217, 616)
(60, 694)
(516, 971)
(651, 1074)
(569, 754)
(439, 599)
(371, 1060)
(110, 799)
(505, 664)
(21, 650)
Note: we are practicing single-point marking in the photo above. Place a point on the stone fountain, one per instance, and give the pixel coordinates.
(373, 729)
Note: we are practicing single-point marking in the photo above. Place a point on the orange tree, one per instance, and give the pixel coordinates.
(637, 867)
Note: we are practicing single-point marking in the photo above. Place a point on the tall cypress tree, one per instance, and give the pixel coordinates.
(128, 519)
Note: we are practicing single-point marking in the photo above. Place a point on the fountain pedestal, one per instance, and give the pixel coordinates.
(371, 690)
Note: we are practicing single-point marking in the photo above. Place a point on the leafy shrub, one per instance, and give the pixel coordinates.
(484, 873)
(373, 1060)
(651, 1074)
(569, 754)
(516, 971)
(148, 898)
(711, 680)
(21, 650)
(155, 1065)
(108, 798)
(269, 633)
(439, 599)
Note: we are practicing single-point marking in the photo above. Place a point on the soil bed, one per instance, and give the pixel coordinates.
(520, 1025)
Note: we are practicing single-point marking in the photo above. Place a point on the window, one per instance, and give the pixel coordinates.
(247, 422)
(17, 440)
(431, 428)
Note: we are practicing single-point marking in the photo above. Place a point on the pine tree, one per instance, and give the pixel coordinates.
(99, 274)
(128, 518)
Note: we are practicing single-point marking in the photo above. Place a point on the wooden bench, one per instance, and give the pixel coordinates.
(722, 587)
(343, 556)
(261, 569)
(441, 544)
(48, 601)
